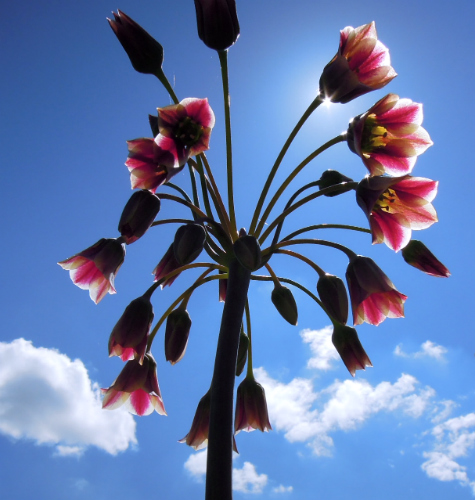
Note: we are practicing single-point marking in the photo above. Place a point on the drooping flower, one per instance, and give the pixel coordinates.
(189, 125)
(138, 215)
(389, 136)
(129, 336)
(177, 332)
(188, 243)
(373, 295)
(346, 342)
(137, 388)
(397, 205)
(284, 302)
(251, 407)
(362, 64)
(94, 269)
(167, 264)
(197, 438)
(332, 292)
(416, 254)
(218, 24)
(145, 53)
(152, 162)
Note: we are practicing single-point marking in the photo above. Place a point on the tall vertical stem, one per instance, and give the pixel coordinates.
(220, 437)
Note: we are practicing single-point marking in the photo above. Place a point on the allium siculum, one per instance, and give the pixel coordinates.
(346, 342)
(137, 388)
(373, 295)
(388, 137)
(197, 438)
(332, 292)
(129, 336)
(251, 407)
(362, 64)
(284, 302)
(94, 269)
(416, 254)
(167, 264)
(397, 205)
(177, 332)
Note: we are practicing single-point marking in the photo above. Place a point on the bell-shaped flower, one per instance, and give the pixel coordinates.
(94, 269)
(189, 125)
(389, 136)
(373, 295)
(362, 64)
(129, 336)
(284, 302)
(138, 215)
(416, 254)
(346, 342)
(218, 24)
(167, 264)
(137, 388)
(251, 407)
(397, 205)
(145, 53)
(332, 292)
(177, 332)
(197, 438)
(152, 162)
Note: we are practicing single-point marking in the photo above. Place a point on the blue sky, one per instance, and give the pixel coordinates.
(70, 100)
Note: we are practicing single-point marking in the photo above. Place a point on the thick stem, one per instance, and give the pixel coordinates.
(220, 437)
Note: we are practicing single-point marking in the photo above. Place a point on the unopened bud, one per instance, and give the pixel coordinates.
(189, 242)
(332, 178)
(416, 254)
(346, 342)
(284, 302)
(332, 292)
(176, 335)
(242, 353)
(248, 252)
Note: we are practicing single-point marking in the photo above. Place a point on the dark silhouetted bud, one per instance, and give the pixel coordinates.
(416, 254)
(346, 342)
(166, 266)
(251, 407)
(285, 303)
(176, 335)
(332, 178)
(248, 252)
(145, 53)
(138, 215)
(189, 242)
(333, 294)
(242, 353)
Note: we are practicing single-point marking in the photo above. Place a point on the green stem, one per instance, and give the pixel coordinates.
(180, 190)
(307, 241)
(301, 257)
(249, 373)
(198, 165)
(313, 106)
(164, 81)
(196, 210)
(196, 200)
(172, 221)
(326, 226)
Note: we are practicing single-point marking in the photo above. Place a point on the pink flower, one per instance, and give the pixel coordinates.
(189, 124)
(152, 162)
(137, 388)
(373, 295)
(94, 269)
(167, 264)
(362, 64)
(397, 205)
(251, 407)
(416, 254)
(129, 336)
(197, 438)
(346, 342)
(388, 137)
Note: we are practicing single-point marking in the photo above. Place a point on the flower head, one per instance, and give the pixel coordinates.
(218, 25)
(137, 388)
(251, 407)
(346, 342)
(389, 136)
(362, 64)
(332, 292)
(129, 336)
(188, 124)
(145, 53)
(94, 269)
(197, 438)
(176, 334)
(416, 254)
(373, 295)
(397, 205)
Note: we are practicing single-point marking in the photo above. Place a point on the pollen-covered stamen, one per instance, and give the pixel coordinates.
(188, 132)
(387, 201)
(374, 135)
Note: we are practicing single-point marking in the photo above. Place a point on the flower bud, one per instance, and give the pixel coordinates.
(333, 295)
(145, 53)
(176, 335)
(197, 438)
(242, 353)
(189, 242)
(284, 302)
(251, 407)
(138, 215)
(346, 342)
(416, 254)
(218, 25)
(167, 264)
(248, 252)
(332, 178)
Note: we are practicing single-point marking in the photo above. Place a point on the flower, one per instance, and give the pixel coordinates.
(152, 162)
(332, 292)
(94, 269)
(176, 334)
(138, 215)
(373, 295)
(346, 342)
(222, 288)
(331, 178)
(189, 124)
(242, 352)
(284, 302)
(197, 438)
(251, 407)
(397, 205)
(189, 243)
(218, 25)
(137, 388)
(129, 336)
(166, 266)
(362, 64)
(388, 137)
(145, 53)
(416, 254)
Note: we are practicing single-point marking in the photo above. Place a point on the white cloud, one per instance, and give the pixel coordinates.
(323, 350)
(428, 350)
(283, 489)
(46, 397)
(342, 406)
(196, 465)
